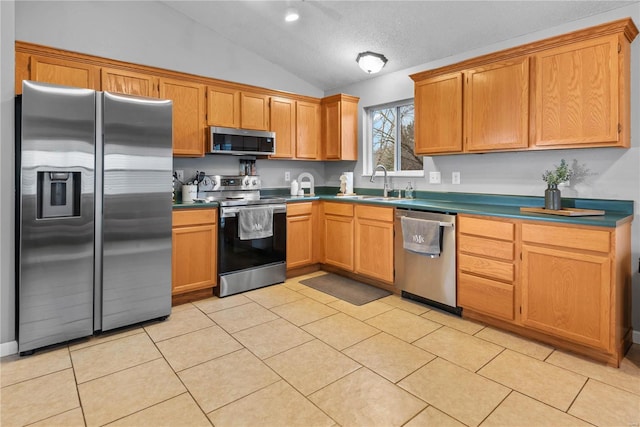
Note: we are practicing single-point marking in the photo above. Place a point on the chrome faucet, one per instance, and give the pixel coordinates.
(386, 184)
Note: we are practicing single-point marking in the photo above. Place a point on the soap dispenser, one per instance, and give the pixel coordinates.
(408, 192)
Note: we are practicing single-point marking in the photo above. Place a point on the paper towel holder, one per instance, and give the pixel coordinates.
(346, 188)
(305, 180)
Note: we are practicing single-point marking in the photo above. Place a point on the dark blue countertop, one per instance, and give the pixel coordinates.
(616, 211)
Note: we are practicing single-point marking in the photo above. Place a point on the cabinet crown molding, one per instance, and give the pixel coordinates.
(624, 26)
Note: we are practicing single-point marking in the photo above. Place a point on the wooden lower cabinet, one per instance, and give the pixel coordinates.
(486, 266)
(338, 235)
(194, 241)
(300, 231)
(358, 238)
(374, 242)
(567, 293)
(570, 285)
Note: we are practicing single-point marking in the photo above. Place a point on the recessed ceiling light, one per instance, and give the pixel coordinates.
(291, 15)
(371, 62)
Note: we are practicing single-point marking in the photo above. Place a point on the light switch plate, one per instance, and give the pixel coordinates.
(455, 178)
(434, 177)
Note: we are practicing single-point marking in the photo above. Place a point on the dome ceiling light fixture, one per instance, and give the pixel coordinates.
(291, 15)
(371, 62)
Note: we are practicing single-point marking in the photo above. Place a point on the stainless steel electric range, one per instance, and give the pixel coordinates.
(252, 233)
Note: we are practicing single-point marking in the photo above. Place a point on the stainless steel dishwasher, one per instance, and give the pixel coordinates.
(424, 278)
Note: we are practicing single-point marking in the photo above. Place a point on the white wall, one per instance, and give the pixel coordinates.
(7, 94)
(612, 173)
(271, 171)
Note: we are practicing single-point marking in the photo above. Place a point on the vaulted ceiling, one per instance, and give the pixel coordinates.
(322, 45)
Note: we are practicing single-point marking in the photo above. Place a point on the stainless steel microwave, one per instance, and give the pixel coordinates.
(241, 141)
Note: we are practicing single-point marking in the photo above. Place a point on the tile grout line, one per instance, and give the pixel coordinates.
(75, 380)
(511, 391)
(179, 379)
(340, 351)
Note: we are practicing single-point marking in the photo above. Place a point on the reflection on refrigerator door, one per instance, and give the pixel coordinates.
(66, 289)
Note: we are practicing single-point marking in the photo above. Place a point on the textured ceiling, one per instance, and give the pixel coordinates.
(322, 46)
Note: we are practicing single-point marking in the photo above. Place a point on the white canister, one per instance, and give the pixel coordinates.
(349, 188)
(189, 192)
(294, 188)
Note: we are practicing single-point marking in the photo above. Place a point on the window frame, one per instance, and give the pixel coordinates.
(367, 149)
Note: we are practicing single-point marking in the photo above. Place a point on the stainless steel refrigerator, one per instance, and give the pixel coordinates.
(94, 173)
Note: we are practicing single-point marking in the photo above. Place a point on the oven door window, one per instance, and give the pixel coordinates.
(235, 254)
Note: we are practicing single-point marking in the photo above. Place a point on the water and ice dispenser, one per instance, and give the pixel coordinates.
(58, 194)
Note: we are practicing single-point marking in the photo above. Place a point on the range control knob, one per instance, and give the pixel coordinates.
(254, 182)
(245, 181)
(206, 184)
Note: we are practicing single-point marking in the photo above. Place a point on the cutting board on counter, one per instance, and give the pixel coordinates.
(564, 211)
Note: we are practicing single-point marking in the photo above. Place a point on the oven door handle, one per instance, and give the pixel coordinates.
(232, 211)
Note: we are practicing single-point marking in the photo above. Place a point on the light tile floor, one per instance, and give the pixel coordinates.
(288, 355)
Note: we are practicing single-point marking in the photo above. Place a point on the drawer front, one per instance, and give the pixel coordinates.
(486, 267)
(194, 217)
(567, 237)
(486, 247)
(486, 228)
(342, 209)
(486, 296)
(295, 209)
(375, 213)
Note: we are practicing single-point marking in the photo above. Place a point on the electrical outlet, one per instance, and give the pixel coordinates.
(287, 176)
(180, 175)
(455, 177)
(434, 177)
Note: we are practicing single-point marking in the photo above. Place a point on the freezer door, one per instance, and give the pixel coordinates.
(136, 227)
(55, 183)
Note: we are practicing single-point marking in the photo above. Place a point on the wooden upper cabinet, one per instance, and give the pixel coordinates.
(577, 94)
(64, 72)
(233, 108)
(340, 127)
(223, 107)
(22, 70)
(308, 131)
(496, 106)
(283, 123)
(254, 111)
(577, 85)
(438, 115)
(188, 115)
(128, 82)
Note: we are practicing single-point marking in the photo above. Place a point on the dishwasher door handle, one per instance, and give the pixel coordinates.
(442, 224)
